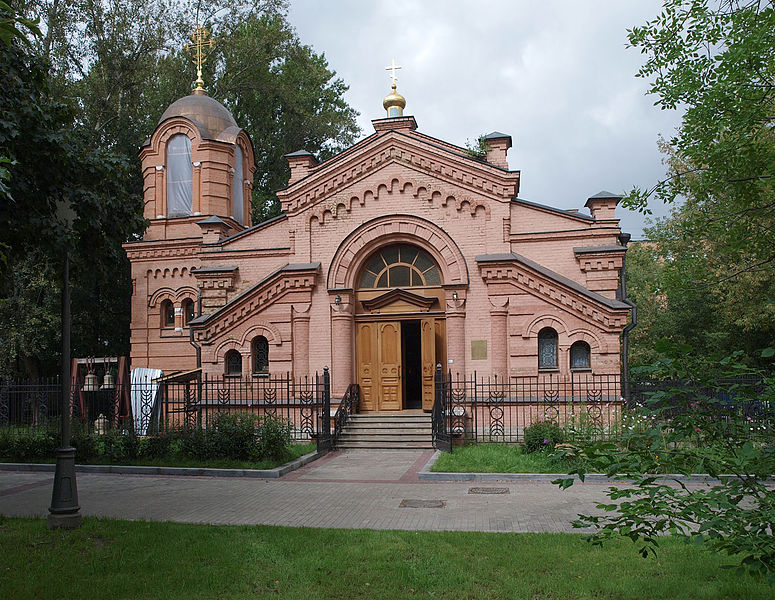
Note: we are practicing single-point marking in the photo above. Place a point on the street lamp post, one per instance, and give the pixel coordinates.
(64, 512)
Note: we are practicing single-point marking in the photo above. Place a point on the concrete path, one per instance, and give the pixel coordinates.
(346, 489)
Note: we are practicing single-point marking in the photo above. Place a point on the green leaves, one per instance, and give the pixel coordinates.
(709, 424)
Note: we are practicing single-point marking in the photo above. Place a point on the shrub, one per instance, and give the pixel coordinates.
(542, 436)
(84, 442)
(24, 446)
(118, 445)
(157, 446)
(274, 438)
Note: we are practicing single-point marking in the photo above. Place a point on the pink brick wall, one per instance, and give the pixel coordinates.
(389, 174)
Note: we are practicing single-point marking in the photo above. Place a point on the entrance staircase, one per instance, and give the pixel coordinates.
(398, 430)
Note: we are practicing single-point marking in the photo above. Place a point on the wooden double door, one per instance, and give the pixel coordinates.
(396, 364)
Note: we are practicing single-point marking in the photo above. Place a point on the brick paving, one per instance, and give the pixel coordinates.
(347, 489)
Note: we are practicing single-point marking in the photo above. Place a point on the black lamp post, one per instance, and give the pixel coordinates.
(64, 512)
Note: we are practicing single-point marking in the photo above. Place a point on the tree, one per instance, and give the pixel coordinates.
(721, 425)
(82, 99)
(716, 61)
(53, 161)
(124, 61)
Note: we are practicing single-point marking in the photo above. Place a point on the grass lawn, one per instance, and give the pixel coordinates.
(294, 451)
(123, 559)
(497, 458)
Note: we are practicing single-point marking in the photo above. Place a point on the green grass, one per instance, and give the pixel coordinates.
(294, 451)
(497, 458)
(121, 559)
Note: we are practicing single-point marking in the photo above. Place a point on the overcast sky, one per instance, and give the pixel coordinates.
(555, 75)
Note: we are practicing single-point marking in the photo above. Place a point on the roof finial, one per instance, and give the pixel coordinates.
(394, 102)
(200, 40)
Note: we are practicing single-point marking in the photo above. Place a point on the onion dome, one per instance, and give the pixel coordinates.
(212, 118)
(394, 103)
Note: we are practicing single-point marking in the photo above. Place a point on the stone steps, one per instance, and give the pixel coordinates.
(387, 430)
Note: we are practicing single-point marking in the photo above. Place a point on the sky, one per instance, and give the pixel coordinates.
(556, 75)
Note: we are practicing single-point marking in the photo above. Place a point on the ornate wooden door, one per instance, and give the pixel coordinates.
(368, 376)
(389, 343)
(428, 353)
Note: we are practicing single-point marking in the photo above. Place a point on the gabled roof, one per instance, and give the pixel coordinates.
(203, 319)
(559, 211)
(561, 279)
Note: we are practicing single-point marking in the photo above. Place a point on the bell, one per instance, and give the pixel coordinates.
(90, 384)
(108, 382)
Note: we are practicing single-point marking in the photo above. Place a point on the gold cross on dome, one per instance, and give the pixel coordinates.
(200, 40)
(393, 67)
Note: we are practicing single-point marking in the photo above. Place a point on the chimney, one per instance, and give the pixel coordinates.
(213, 229)
(300, 163)
(601, 206)
(499, 143)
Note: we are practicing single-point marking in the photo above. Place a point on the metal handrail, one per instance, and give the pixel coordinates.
(347, 407)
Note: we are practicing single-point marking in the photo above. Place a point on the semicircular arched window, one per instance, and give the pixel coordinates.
(400, 266)
(180, 176)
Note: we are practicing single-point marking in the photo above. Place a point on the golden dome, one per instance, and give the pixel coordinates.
(394, 100)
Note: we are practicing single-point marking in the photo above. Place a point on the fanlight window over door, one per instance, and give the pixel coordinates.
(400, 266)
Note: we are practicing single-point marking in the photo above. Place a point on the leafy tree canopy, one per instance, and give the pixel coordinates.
(716, 61)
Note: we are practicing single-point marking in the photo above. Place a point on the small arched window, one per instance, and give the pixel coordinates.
(547, 348)
(233, 363)
(237, 205)
(180, 176)
(400, 266)
(579, 356)
(167, 314)
(260, 351)
(188, 311)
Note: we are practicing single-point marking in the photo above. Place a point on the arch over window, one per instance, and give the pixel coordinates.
(580, 356)
(547, 348)
(237, 204)
(233, 364)
(180, 176)
(260, 352)
(167, 314)
(400, 266)
(188, 310)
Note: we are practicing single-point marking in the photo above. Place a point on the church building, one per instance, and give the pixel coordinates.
(400, 253)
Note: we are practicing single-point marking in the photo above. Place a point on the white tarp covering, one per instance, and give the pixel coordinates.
(180, 176)
(144, 396)
(237, 207)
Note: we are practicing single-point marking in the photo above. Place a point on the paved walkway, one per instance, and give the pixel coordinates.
(345, 489)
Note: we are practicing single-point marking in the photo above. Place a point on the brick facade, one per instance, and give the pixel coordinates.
(509, 268)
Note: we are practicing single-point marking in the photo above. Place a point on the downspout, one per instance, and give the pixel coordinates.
(191, 330)
(624, 239)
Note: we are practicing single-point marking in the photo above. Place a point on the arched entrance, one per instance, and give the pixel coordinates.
(399, 328)
(396, 307)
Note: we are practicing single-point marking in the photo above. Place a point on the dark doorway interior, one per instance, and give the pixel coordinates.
(412, 359)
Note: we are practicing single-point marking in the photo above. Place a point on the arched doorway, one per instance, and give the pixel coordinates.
(399, 327)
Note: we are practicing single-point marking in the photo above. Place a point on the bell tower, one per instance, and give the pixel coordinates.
(198, 162)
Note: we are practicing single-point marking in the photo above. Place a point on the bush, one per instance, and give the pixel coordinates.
(157, 446)
(118, 445)
(274, 438)
(24, 446)
(542, 436)
(84, 442)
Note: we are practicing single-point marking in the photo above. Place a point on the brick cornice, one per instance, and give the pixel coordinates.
(444, 165)
(537, 284)
(140, 251)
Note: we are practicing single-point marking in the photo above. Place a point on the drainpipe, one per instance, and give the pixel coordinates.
(191, 331)
(621, 293)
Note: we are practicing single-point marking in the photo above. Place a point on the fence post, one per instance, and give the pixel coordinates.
(324, 424)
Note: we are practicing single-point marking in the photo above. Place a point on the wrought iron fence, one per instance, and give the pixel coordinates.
(745, 397)
(491, 409)
(151, 406)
